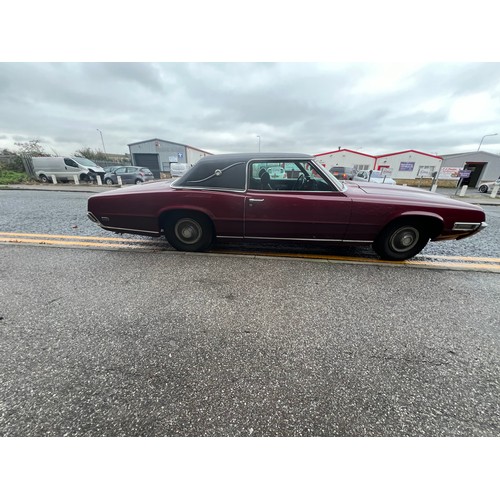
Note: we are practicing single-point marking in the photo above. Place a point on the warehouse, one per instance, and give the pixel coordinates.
(409, 165)
(484, 167)
(405, 165)
(346, 158)
(158, 155)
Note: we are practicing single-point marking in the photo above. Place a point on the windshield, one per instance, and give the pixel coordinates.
(338, 184)
(84, 161)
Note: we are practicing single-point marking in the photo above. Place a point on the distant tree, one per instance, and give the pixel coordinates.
(91, 154)
(31, 148)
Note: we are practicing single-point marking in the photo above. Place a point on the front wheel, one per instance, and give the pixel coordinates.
(189, 232)
(44, 179)
(483, 189)
(400, 241)
(138, 181)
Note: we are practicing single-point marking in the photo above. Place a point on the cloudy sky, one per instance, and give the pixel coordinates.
(223, 107)
(309, 107)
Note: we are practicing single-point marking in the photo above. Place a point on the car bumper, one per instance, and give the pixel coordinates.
(462, 230)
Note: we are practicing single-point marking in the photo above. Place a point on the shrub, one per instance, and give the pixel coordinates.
(12, 177)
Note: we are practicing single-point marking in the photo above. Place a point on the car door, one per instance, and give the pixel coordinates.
(317, 212)
(122, 173)
(71, 167)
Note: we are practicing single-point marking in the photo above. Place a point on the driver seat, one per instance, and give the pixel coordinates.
(265, 181)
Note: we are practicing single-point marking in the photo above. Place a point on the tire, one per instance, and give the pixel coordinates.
(189, 232)
(401, 241)
(44, 179)
(85, 178)
(109, 181)
(483, 189)
(138, 181)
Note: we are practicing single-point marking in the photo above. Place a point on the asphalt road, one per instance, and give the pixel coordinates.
(66, 213)
(107, 343)
(160, 343)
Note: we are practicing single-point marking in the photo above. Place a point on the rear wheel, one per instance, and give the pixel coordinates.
(483, 189)
(401, 241)
(109, 181)
(189, 232)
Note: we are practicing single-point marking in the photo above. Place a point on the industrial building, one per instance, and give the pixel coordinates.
(484, 167)
(404, 165)
(412, 167)
(158, 155)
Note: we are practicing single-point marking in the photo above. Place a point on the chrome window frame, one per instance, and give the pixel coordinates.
(338, 187)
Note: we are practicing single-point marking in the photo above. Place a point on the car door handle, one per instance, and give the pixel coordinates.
(255, 200)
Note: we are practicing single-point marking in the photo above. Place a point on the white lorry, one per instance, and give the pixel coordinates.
(64, 168)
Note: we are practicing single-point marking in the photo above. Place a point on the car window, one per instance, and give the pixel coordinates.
(70, 162)
(120, 170)
(286, 176)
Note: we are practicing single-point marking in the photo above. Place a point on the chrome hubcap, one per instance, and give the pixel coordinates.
(188, 231)
(404, 239)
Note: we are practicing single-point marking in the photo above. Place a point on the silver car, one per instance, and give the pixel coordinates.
(128, 175)
(484, 187)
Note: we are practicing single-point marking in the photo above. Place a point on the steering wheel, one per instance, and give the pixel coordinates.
(299, 183)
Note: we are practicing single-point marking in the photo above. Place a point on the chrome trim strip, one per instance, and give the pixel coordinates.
(128, 229)
(204, 188)
(215, 174)
(292, 239)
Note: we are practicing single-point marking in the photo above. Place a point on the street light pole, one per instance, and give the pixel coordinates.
(103, 146)
(487, 135)
(259, 142)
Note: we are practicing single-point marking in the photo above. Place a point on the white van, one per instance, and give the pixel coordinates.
(65, 167)
(179, 169)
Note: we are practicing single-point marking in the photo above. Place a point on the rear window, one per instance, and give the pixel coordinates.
(146, 171)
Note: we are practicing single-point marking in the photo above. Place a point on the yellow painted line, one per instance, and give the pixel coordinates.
(405, 263)
(66, 243)
(456, 265)
(468, 263)
(64, 236)
(457, 257)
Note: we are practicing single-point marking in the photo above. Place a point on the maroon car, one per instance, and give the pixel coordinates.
(234, 196)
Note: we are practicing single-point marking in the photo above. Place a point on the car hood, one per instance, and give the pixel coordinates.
(403, 194)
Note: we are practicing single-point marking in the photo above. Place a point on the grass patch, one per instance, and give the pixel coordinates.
(12, 177)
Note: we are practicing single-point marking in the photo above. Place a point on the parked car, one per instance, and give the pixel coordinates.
(373, 176)
(343, 173)
(179, 169)
(233, 197)
(129, 175)
(484, 187)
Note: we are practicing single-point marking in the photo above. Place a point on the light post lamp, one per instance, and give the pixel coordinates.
(103, 146)
(259, 142)
(487, 135)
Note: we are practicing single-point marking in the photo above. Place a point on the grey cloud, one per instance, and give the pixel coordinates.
(293, 106)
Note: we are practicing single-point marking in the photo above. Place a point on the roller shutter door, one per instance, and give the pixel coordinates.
(148, 160)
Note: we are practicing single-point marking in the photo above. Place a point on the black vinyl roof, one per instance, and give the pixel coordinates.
(228, 171)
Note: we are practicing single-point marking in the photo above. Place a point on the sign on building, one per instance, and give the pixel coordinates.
(406, 166)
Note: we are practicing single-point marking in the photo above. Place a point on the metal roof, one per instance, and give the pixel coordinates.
(169, 142)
